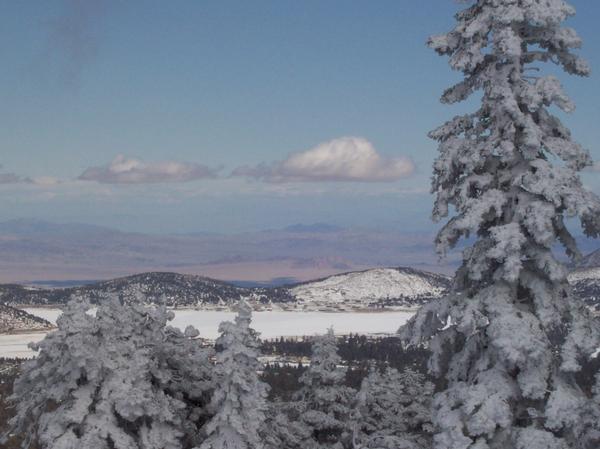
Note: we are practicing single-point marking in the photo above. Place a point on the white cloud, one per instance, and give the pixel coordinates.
(342, 159)
(123, 170)
(45, 181)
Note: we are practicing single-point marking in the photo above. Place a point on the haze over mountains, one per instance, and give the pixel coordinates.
(34, 250)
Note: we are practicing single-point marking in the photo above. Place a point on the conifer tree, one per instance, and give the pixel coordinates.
(239, 400)
(393, 410)
(105, 381)
(508, 172)
(284, 428)
(325, 402)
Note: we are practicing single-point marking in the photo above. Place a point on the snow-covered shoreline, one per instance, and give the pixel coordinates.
(270, 324)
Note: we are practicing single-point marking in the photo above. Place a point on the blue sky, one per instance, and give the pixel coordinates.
(193, 90)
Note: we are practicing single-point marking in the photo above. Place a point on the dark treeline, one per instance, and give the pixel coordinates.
(354, 349)
(9, 369)
(284, 379)
(359, 353)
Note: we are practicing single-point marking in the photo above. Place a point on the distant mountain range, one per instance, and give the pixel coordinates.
(312, 228)
(40, 252)
(34, 251)
(376, 288)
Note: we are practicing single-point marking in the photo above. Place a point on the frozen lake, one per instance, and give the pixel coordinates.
(269, 324)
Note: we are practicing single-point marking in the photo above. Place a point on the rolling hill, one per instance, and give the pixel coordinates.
(368, 289)
(376, 288)
(15, 320)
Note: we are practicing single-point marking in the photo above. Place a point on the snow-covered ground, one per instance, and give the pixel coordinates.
(15, 345)
(269, 324)
(362, 287)
(45, 313)
(584, 274)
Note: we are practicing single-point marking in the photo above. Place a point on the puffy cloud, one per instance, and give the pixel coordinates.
(46, 181)
(343, 159)
(123, 170)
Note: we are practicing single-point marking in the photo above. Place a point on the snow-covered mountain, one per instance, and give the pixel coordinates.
(376, 288)
(15, 320)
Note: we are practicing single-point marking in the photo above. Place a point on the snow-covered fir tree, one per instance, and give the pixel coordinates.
(184, 371)
(508, 172)
(393, 411)
(325, 403)
(284, 429)
(110, 381)
(239, 400)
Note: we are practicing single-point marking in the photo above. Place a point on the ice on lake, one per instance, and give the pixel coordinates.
(15, 345)
(270, 324)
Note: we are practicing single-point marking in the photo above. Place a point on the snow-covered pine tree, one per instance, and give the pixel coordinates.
(184, 371)
(325, 403)
(103, 381)
(283, 428)
(239, 399)
(393, 411)
(509, 172)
